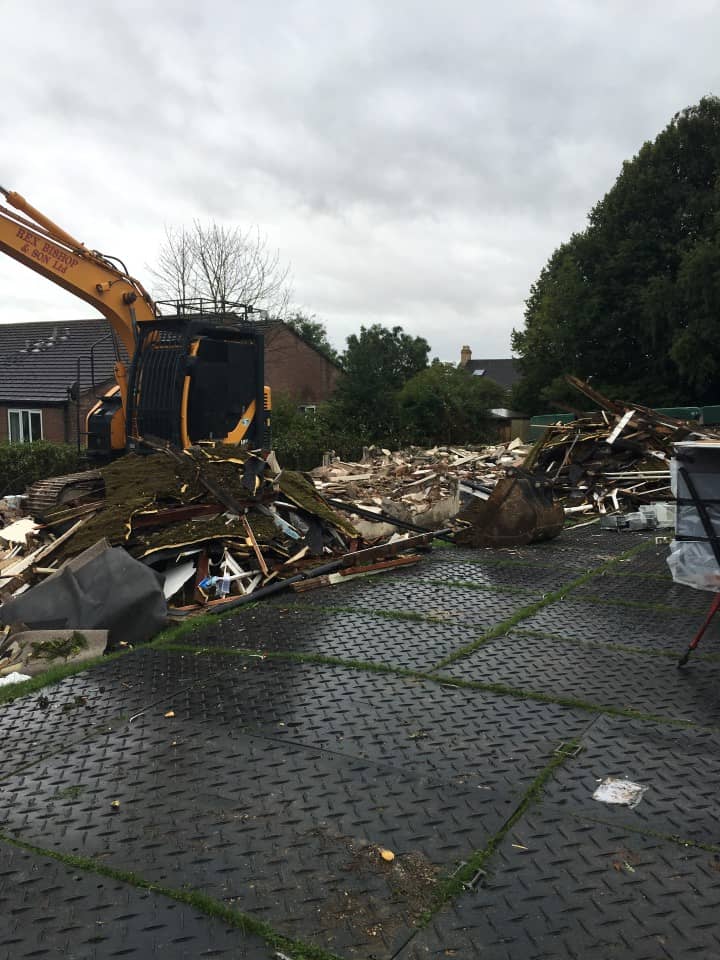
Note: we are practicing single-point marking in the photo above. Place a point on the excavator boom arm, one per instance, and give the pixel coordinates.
(38, 243)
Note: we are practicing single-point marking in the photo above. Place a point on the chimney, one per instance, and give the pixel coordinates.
(465, 356)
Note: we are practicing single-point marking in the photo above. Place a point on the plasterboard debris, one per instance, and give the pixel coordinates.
(624, 792)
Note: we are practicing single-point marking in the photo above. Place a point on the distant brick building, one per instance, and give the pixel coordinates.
(46, 377)
(47, 372)
(294, 367)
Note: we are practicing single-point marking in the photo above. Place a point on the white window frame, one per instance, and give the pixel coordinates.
(20, 411)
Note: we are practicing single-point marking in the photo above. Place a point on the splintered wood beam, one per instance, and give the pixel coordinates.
(254, 544)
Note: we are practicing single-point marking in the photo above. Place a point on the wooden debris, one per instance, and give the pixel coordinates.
(607, 460)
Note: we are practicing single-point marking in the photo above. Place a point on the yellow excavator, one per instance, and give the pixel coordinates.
(192, 375)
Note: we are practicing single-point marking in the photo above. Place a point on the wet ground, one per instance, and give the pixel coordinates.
(398, 767)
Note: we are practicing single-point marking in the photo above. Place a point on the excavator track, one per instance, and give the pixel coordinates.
(46, 495)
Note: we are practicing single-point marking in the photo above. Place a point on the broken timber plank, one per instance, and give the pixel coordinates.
(254, 545)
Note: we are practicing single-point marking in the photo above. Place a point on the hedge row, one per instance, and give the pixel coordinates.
(21, 464)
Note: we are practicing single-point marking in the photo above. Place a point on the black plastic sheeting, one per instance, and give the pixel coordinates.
(103, 588)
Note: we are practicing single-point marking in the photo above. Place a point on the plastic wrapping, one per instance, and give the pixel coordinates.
(693, 564)
(102, 588)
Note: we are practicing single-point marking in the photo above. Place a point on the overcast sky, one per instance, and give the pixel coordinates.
(415, 162)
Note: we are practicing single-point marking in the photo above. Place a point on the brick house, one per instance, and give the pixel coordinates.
(47, 370)
(46, 377)
(294, 367)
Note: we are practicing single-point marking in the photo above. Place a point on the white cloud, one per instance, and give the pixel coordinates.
(416, 162)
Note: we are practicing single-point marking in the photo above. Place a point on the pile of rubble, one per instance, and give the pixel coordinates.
(415, 486)
(204, 530)
(613, 459)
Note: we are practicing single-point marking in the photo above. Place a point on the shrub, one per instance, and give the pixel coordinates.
(21, 464)
(300, 439)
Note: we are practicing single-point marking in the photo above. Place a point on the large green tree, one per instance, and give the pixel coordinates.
(632, 303)
(447, 404)
(376, 363)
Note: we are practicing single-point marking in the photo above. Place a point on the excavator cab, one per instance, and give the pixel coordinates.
(189, 380)
(194, 374)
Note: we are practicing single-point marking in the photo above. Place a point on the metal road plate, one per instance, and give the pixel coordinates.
(600, 676)
(535, 578)
(50, 909)
(679, 767)
(466, 605)
(565, 889)
(651, 562)
(351, 636)
(273, 787)
(281, 831)
(628, 626)
(96, 700)
(612, 588)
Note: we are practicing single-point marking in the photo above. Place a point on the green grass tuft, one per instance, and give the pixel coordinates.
(194, 898)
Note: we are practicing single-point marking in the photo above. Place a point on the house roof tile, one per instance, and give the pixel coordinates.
(39, 360)
(502, 371)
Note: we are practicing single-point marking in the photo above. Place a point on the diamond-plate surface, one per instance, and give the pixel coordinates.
(597, 675)
(679, 767)
(270, 827)
(476, 607)
(581, 548)
(82, 705)
(273, 784)
(428, 728)
(52, 910)
(609, 588)
(594, 539)
(565, 889)
(351, 636)
(624, 625)
(650, 562)
(533, 577)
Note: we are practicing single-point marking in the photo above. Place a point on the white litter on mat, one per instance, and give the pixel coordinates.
(18, 532)
(14, 677)
(612, 790)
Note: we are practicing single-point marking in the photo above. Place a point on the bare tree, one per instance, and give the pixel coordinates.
(175, 273)
(223, 265)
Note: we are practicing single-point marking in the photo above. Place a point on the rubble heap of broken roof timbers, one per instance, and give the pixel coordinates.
(219, 526)
(613, 459)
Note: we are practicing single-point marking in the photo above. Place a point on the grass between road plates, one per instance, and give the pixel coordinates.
(533, 608)
(448, 887)
(13, 691)
(467, 874)
(445, 680)
(636, 605)
(620, 647)
(655, 834)
(194, 898)
(172, 634)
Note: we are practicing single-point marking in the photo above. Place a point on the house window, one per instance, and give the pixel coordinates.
(24, 425)
(309, 409)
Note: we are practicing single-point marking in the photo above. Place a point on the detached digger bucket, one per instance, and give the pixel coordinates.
(520, 510)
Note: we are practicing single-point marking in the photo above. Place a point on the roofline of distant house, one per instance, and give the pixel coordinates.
(307, 343)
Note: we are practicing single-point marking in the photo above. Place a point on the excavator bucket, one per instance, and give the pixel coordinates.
(520, 510)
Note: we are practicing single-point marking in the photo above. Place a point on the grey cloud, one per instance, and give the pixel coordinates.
(417, 162)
